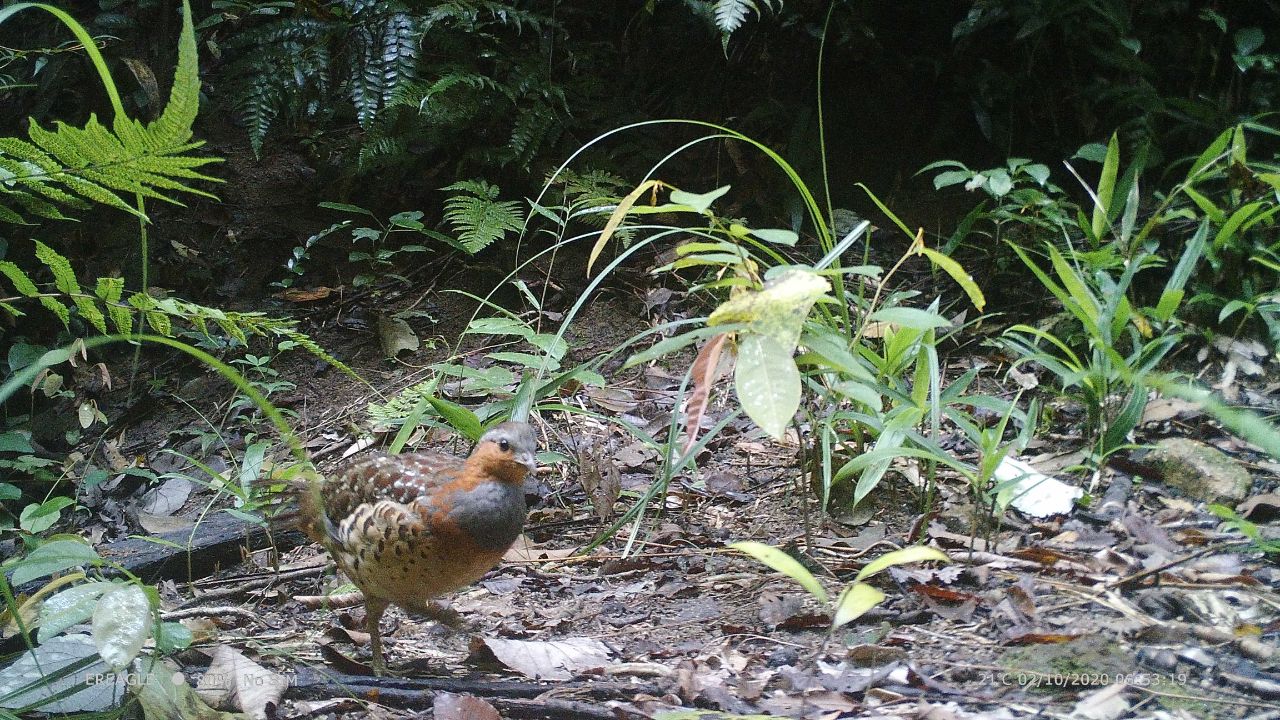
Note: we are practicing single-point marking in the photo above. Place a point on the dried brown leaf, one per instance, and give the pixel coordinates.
(706, 369)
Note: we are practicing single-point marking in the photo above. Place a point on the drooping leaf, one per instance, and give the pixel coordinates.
(854, 601)
(52, 557)
(779, 309)
(783, 563)
(121, 623)
(913, 554)
(70, 607)
(768, 383)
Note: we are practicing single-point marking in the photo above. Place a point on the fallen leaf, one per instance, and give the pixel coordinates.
(396, 336)
(1260, 508)
(615, 400)
(21, 682)
(524, 550)
(1161, 409)
(164, 693)
(600, 479)
(635, 455)
(161, 524)
(233, 681)
(448, 706)
(551, 659)
(298, 295)
(1108, 703)
(168, 497)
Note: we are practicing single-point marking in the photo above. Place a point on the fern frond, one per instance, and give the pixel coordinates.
(109, 290)
(375, 151)
(732, 14)
(478, 216)
(399, 54)
(64, 279)
(535, 128)
(21, 282)
(68, 165)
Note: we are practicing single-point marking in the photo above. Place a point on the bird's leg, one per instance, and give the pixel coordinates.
(373, 609)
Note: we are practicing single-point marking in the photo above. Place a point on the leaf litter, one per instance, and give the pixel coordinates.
(1070, 612)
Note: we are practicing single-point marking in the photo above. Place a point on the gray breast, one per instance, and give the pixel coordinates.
(492, 513)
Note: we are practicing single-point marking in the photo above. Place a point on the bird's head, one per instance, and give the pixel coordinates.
(509, 449)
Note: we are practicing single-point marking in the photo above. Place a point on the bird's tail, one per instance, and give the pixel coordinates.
(294, 502)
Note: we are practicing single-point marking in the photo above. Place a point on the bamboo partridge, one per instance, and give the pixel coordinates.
(412, 527)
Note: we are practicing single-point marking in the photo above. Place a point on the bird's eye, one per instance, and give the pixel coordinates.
(504, 445)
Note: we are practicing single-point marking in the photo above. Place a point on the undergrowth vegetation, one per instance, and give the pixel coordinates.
(810, 327)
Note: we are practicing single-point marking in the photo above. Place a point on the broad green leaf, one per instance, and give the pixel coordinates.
(890, 443)
(951, 177)
(957, 273)
(1228, 229)
(121, 623)
(858, 392)
(1207, 206)
(344, 207)
(1038, 172)
(913, 554)
(15, 442)
(1077, 290)
(767, 382)
(700, 202)
(1169, 302)
(702, 246)
(1248, 40)
(9, 492)
(909, 318)
(779, 309)
(500, 325)
(458, 417)
(70, 607)
(1173, 293)
(1094, 152)
(1210, 155)
(941, 164)
(1118, 429)
(528, 360)
(854, 601)
(832, 350)
(251, 466)
(999, 182)
(50, 558)
(172, 636)
(1230, 309)
(411, 219)
(777, 237)
(783, 563)
(36, 518)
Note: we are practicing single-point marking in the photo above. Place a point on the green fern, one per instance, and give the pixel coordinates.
(484, 77)
(109, 301)
(70, 166)
(732, 14)
(478, 216)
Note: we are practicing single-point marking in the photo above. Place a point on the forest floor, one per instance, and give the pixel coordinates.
(1138, 610)
(1134, 606)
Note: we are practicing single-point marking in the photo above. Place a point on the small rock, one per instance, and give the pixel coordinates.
(1200, 471)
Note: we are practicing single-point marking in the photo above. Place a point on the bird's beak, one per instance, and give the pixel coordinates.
(528, 460)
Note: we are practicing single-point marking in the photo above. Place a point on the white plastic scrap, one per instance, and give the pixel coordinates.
(1033, 493)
